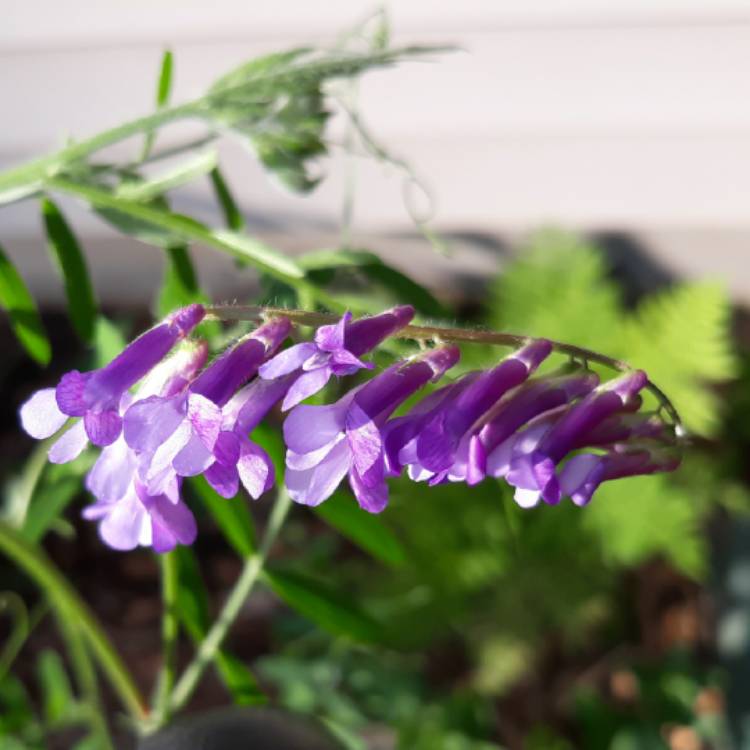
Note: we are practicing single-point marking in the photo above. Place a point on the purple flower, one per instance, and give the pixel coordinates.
(335, 351)
(188, 432)
(537, 451)
(432, 437)
(96, 395)
(138, 518)
(128, 515)
(325, 443)
(583, 473)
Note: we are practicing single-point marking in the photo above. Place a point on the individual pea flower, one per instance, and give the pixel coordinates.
(325, 443)
(536, 453)
(336, 350)
(582, 474)
(430, 438)
(138, 518)
(127, 514)
(184, 432)
(96, 395)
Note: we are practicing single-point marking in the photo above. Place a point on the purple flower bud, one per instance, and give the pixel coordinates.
(429, 441)
(335, 351)
(583, 473)
(532, 466)
(96, 395)
(325, 443)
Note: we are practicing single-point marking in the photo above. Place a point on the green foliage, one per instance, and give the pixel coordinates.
(24, 317)
(332, 610)
(364, 529)
(67, 253)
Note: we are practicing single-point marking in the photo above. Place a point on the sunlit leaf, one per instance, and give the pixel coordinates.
(56, 691)
(67, 253)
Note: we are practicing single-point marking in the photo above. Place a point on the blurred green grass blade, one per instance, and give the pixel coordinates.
(232, 214)
(22, 311)
(329, 609)
(66, 252)
(193, 610)
(57, 694)
(364, 529)
(231, 516)
(403, 288)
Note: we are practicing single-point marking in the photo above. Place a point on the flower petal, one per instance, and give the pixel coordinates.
(223, 478)
(305, 386)
(287, 361)
(69, 445)
(313, 486)
(171, 523)
(41, 416)
(206, 418)
(121, 528)
(103, 427)
(193, 458)
(148, 423)
(70, 393)
(112, 473)
(256, 469)
(373, 498)
(308, 428)
(331, 338)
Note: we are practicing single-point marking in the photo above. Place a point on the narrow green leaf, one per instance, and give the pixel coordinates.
(66, 251)
(364, 529)
(22, 311)
(56, 691)
(164, 87)
(163, 92)
(329, 609)
(180, 284)
(193, 610)
(232, 516)
(260, 254)
(232, 214)
(401, 286)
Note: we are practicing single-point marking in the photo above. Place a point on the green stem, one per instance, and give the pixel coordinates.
(450, 335)
(85, 676)
(46, 167)
(237, 597)
(69, 605)
(169, 632)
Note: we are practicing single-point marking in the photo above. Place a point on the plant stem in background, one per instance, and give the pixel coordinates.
(69, 605)
(169, 631)
(448, 335)
(237, 597)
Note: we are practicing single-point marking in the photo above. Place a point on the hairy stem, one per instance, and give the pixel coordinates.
(440, 334)
(241, 590)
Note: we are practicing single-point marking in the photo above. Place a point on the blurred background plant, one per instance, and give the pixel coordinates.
(455, 620)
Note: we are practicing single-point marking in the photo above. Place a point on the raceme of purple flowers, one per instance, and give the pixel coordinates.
(160, 413)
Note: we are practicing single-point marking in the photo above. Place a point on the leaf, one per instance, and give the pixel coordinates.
(231, 516)
(681, 337)
(66, 251)
(163, 92)
(364, 529)
(24, 317)
(232, 214)
(164, 87)
(557, 288)
(329, 609)
(193, 611)
(56, 691)
(59, 485)
(401, 286)
(180, 284)
(640, 517)
(259, 254)
(256, 68)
